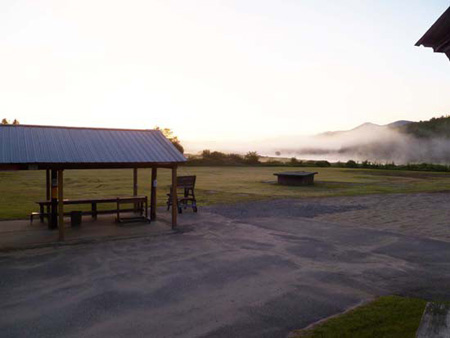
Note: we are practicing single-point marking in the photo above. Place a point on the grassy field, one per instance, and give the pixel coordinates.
(389, 316)
(20, 190)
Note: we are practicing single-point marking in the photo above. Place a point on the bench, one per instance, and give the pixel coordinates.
(140, 205)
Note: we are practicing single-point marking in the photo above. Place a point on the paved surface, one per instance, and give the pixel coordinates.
(225, 275)
(424, 214)
(19, 234)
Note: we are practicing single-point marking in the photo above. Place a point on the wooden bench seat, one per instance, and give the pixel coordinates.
(140, 205)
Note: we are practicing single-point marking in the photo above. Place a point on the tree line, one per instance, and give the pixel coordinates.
(435, 127)
(392, 166)
(252, 158)
(6, 122)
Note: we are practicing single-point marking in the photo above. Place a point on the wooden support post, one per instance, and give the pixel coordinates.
(53, 221)
(146, 207)
(118, 210)
(94, 210)
(60, 205)
(135, 187)
(47, 185)
(174, 198)
(48, 194)
(135, 182)
(153, 195)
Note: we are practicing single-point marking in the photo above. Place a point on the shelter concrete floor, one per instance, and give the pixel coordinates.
(20, 234)
(254, 270)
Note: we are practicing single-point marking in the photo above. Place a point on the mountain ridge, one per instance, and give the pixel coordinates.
(401, 141)
(368, 126)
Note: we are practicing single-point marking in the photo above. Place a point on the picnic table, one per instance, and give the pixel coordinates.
(296, 177)
(140, 204)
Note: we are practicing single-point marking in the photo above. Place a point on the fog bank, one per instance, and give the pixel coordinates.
(367, 142)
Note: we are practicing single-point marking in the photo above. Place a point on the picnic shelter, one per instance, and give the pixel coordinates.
(56, 149)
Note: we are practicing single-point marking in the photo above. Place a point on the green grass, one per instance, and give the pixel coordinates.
(389, 316)
(20, 190)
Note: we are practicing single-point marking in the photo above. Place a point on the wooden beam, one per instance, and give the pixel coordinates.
(48, 192)
(47, 185)
(153, 195)
(53, 221)
(115, 165)
(75, 165)
(60, 205)
(135, 187)
(174, 198)
(135, 181)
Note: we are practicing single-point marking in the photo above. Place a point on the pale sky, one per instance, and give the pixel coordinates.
(220, 70)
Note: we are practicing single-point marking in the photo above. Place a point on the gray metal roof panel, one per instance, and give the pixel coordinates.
(41, 144)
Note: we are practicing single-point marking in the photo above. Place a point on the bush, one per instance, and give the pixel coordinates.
(252, 157)
(322, 164)
(366, 164)
(274, 163)
(351, 164)
(294, 162)
(234, 159)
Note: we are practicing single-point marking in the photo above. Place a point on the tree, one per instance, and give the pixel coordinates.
(206, 153)
(294, 161)
(322, 164)
(167, 132)
(6, 121)
(351, 164)
(252, 157)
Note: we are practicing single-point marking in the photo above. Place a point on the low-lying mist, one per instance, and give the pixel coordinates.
(371, 142)
(376, 144)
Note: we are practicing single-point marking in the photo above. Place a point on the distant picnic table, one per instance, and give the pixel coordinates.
(140, 204)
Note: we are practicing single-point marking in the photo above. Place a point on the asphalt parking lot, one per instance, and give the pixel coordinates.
(223, 274)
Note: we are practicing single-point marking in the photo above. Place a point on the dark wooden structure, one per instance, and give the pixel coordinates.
(57, 149)
(185, 188)
(140, 204)
(296, 178)
(438, 36)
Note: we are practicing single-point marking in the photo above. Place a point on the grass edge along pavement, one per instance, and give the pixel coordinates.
(387, 316)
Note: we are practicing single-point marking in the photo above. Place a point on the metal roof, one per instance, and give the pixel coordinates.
(438, 36)
(25, 144)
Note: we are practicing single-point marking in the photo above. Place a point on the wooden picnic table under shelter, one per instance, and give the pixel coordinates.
(56, 149)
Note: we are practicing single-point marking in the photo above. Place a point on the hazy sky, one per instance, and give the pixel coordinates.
(220, 70)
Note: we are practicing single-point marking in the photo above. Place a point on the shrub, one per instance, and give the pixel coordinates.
(351, 164)
(251, 157)
(322, 164)
(274, 163)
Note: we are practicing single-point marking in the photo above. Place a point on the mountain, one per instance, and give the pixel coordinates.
(399, 123)
(367, 127)
(400, 142)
